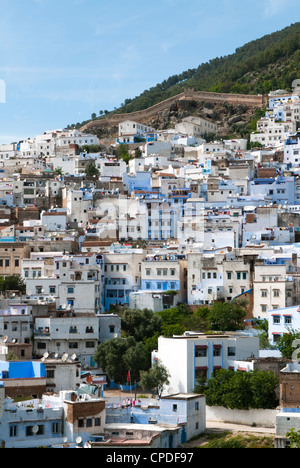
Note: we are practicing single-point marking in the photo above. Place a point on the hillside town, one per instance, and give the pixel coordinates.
(158, 219)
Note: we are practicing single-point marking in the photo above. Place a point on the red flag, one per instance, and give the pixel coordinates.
(128, 377)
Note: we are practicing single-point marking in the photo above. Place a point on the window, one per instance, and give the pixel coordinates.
(229, 275)
(264, 293)
(200, 352)
(175, 408)
(13, 431)
(276, 319)
(90, 344)
(217, 351)
(73, 345)
(287, 320)
(276, 292)
(238, 275)
(89, 422)
(70, 290)
(30, 432)
(263, 307)
(55, 428)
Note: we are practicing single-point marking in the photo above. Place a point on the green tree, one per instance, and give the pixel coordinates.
(241, 390)
(116, 357)
(58, 171)
(140, 324)
(91, 170)
(224, 316)
(138, 153)
(137, 359)
(91, 148)
(294, 438)
(122, 152)
(285, 343)
(12, 283)
(173, 320)
(155, 379)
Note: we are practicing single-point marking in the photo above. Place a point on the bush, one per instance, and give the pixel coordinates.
(241, 390)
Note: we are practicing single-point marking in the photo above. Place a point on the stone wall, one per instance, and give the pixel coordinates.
(188, 94)
(258, 417)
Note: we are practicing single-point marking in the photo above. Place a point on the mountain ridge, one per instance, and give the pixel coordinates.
(268, 63)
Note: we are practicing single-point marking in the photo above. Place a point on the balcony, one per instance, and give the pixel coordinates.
(42, 332)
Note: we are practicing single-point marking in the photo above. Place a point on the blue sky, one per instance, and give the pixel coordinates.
(63, 60)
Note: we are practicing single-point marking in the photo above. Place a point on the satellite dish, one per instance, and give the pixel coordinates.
(78, 440)
(35, 429)
(46, 355)
(5, 339)
(56, 355)
(116, 335)
(73, 357)
(64, 306)
(65, 357)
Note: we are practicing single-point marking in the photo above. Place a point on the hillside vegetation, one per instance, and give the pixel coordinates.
(269, 63)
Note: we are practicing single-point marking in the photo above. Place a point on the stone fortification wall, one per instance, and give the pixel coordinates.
(188, 94)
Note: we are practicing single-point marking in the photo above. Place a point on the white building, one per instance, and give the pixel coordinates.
(292, 152)
(54, 220)
(282, 321)
(272, 288)
(129, 129)
(196, 126)
(74, 336)
(193, 356)
(271, 132)
(78, 203)
(72, 284)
